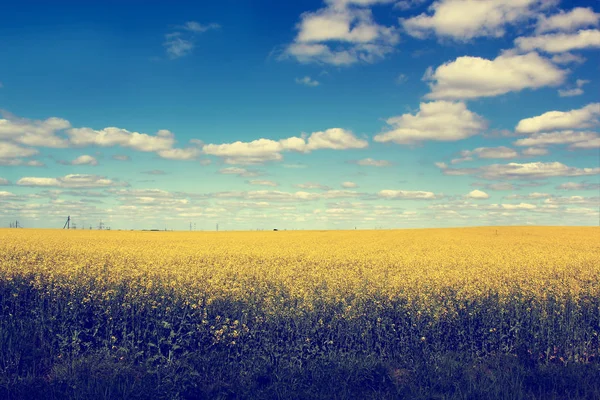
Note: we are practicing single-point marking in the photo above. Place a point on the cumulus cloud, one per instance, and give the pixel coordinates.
(560, 42)
(107, 137)
(312, 185)
(446, 18)
(587, 144)
(71, 181)
(580, 200)
(262, 182)
(574, 19)
(534, 170)
(242, 172)
(37, 133)
(263, 150)
(439, 120)
(560, 137)
(369, 162)
(84, 160)
(121, 157)
(4, 181)
(189, 153)
(307, 81)
(578, 186)
(535, 151)
(154, 172)
(585, 117)
(406, 195)
(268, 196)
(349, 185)
(534, 196)
(478, 195)
(485, 152)
(342, 33)
(12, 150)
(472, 77)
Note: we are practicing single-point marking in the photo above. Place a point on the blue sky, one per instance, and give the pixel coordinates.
(328, 114)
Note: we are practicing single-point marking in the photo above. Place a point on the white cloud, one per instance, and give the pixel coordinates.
(307, 81)
(588, 201)
(335, 139)
(177, 47)
(465, 19)
(263, 183)
(39, 133)
(5, 194)
(478, 195)
(486, 152)
(585, 117)
(189, 153)
(70, 181)
(534, 170)
(121, 157)
(593, 143)
(312, 185)
(268, 195)
(11, 150)
(534, 196)
(471, 77)
(406, 195)
(349, 185)
(438, 120)
(107, 137)
(84, 160)
(342, 33)
(255, 152)
(568, 21)
(4, 181)
(535, 151)
(574, 91)
(194, 26)
(369, 162)
(567, 58)
(521, 206)
(570, 92)
(237, 171)
(578, 186)
(264, 150)
(559, 137)
(181, 42)
(560, 42)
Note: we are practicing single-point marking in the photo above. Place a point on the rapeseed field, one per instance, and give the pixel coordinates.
(491, 312)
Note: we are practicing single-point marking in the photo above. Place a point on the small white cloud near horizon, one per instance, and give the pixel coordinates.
(84, 160)
(263, 182)
(478, 195)
(349, 185)
(307, 81)
(369, 162)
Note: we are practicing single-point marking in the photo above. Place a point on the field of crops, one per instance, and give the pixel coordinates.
(453, 313)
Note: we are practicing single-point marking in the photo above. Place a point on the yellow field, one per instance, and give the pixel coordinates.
(302, 294)
(327, 265)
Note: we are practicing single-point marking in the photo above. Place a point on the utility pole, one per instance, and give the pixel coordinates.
(217, 227)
